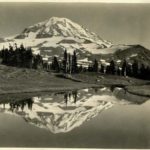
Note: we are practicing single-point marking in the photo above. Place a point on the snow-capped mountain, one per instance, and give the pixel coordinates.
(53, 36)
(119, 53)
(59, 27)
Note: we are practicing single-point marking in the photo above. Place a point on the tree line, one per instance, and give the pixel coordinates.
(67, 65)
(133, 69)
(19, 56)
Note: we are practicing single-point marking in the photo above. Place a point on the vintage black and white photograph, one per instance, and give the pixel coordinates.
(74, 75)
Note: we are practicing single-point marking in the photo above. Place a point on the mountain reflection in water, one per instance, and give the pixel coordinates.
(64, 111)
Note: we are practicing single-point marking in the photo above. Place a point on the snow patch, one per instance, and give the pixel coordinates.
(133, 55)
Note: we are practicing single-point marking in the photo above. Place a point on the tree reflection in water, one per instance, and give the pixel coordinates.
(15, 105)
(69, 95)
(63, 111)
(20, 104)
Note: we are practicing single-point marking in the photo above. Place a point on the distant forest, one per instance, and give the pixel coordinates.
(24, 58)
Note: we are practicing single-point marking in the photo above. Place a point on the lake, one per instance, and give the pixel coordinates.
(87, 118)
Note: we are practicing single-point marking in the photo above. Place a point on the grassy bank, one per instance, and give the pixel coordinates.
(131, 85)
(143, 90)
(19, 80)
(108, 80)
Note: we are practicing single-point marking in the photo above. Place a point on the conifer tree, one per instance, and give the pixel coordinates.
(135, 68)
(95, 66)
(22, 56)
(143, 73)
(28, 58)
(129, 70)
(124, 68)
(118, 71)
(102, 68)
(55, 64)
(65, 62)
(112, 67)
(37, 62)
(74, 63)
(69, 63)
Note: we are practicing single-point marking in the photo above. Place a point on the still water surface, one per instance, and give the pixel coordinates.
(87, 118)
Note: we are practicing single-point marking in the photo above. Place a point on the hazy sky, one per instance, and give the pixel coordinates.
(118, 23)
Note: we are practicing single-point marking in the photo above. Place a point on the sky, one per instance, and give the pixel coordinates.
(118, 23)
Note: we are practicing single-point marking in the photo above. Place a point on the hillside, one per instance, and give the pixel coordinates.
(122, 52)
(19, 80)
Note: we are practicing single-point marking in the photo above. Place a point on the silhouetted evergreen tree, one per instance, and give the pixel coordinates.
(142, 71)
(17, 60)
(124, 68)
(28, 58)
(102, 68)
(55, 65)
(64, 62)
(21, 56)
(69, 63)
(80, 68)
(108, 69)
(5, 56)
(11, 56)
(118, 71)
(90, 68)
(37, 62)
(95, 66)
(74, 67)
(147, 73)
(135, 68)
(112, 67)
(129, 71)
(84, 69)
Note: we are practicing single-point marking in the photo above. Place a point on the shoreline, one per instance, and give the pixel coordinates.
(23, 81)
(41, 91)
(52, 89)
(143, 90)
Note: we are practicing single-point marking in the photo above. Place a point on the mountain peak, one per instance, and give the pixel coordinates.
(55, 19)
(56, 26)
(54, 35)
